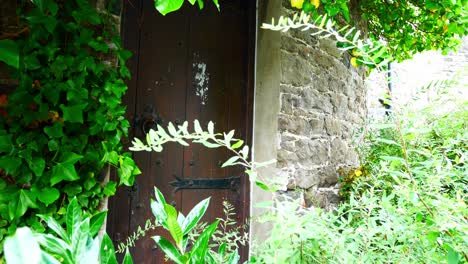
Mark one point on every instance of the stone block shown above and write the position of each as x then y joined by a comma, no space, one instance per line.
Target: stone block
295,70
333,126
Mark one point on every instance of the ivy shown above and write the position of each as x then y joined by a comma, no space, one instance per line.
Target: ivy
62,125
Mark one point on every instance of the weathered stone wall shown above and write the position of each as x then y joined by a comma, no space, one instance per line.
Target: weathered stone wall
322,101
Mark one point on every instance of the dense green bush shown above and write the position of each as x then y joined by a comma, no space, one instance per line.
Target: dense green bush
408,207
62,126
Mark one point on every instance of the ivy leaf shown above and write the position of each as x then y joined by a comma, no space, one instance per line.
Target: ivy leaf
166,6
48,195
127,171
37,165
70,157
9,52
25,201
63,171
73,113
5,143
54,131
9,164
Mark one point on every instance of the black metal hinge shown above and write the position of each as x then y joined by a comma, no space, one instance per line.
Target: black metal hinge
232,183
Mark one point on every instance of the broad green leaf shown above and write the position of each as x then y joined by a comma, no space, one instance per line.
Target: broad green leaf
62,172
107,254
73,217
54,131
168,249
49,259
15,248
200,246
128,258
96,222
37,165
90,251
159,196
197,212
9,164
25,201
48,195
80,239
173,226
166,6
9,52
73,113
5,143
55,246
158,211
56,227
70,157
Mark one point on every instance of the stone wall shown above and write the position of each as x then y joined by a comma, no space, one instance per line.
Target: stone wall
322,101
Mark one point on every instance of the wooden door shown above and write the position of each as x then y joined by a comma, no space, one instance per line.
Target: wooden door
191,64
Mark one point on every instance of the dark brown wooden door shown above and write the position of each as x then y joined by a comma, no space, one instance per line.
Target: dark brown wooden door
187,65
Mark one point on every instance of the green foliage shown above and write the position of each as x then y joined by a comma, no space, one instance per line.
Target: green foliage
78,243
415,25
371,53
9,52
408,204
227,238
179,226
62,125
155,139
407,27
167,6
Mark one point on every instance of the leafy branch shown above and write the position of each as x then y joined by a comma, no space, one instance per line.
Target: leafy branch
371,53
155,139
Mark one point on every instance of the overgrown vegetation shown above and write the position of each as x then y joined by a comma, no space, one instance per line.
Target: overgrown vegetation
406,27
409,206
63,124
59,129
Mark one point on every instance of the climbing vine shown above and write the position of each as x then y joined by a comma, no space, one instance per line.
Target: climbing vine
64,122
